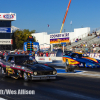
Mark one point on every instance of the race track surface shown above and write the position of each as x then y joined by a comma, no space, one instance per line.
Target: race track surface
83,84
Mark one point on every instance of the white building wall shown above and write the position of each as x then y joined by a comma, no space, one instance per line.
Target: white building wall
43,37
71,36
81,32
40,37
47,39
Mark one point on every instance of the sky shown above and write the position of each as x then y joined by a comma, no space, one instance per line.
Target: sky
37,14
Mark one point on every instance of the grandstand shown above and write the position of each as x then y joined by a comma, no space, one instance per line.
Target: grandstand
88,41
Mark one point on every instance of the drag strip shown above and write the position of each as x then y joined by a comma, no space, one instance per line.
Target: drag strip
81,72
68,85
63,71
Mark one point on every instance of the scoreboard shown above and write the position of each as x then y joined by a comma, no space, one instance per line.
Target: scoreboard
29,46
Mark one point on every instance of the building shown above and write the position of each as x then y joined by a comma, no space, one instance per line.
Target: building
6,40
55,38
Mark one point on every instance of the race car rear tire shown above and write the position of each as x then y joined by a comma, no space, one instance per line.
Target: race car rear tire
2,71
67,63
66,69
85,65
25,76
73,70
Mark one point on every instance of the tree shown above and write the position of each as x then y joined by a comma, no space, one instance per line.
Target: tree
33,31
21,37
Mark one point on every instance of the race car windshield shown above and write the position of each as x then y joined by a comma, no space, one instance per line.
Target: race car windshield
20,59
80,55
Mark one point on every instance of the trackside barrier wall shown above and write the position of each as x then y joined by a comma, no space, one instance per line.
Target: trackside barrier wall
48,59
53,58
94,55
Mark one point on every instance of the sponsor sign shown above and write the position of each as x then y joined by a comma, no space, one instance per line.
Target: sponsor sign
59,38
7,16
94,55
5,30
61,35
43,59
44,46
6,41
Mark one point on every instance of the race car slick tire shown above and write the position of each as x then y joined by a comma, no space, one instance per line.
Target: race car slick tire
25,76
2,71
67,62
66,69
84,65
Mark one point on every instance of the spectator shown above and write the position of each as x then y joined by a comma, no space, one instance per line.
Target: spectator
47,54
94,49
81,50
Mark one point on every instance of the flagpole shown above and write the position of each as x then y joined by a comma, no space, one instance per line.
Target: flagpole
48,27
71,25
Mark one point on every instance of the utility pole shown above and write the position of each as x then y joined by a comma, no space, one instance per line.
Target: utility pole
64,30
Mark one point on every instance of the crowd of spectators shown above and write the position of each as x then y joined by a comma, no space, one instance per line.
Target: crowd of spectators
84,47
45,54
39,53
5,53
93,48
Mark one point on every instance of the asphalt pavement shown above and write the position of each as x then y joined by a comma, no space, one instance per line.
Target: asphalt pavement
67,86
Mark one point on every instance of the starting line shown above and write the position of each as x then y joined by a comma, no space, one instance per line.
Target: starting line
79,72
2,98
63,71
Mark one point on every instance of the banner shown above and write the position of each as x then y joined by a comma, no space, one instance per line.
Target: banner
59,38
44,46
5,30
43,59
6,41
8,16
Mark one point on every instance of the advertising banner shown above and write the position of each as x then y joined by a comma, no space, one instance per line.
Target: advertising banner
6,41
5,30
43,59
44,46
8,16
59,38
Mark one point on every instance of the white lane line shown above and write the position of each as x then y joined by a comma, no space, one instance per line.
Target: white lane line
2,98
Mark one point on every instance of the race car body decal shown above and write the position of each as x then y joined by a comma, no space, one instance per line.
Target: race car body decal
70,61
91,59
